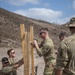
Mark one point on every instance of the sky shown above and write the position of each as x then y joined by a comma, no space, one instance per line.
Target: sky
53,11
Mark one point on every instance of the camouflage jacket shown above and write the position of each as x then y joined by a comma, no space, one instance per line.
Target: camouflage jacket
8,70
66,54
46,49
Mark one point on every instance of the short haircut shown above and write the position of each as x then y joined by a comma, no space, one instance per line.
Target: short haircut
62,34
9,51
44,29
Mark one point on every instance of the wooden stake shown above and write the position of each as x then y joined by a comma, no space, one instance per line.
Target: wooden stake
25,49
32,50
28,53
25,57
23,43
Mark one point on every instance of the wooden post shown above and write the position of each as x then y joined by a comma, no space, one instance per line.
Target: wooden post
28,53
25,57
32,51
23,43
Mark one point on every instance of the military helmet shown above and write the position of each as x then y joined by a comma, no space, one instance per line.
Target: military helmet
5,60
72,22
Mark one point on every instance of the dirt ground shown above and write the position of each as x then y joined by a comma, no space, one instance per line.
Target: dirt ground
37,60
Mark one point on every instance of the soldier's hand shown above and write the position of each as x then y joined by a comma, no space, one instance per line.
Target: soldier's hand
32,44
35,42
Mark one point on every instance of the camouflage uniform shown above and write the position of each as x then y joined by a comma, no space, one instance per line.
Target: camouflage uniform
66,55
46,50
8,70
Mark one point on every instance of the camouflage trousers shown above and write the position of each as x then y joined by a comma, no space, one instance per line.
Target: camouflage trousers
48,70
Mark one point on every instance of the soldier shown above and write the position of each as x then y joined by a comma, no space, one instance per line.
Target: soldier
7,69
65,64
45,49
11,54
11,58
62,36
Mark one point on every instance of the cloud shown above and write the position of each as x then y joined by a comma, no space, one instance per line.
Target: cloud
48,15
22,2
74,4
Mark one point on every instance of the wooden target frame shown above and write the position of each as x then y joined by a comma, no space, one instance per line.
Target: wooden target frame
27,49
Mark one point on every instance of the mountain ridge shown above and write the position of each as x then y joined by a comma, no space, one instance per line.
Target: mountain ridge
10,28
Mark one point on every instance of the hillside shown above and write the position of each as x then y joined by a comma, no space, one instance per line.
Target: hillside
10,28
